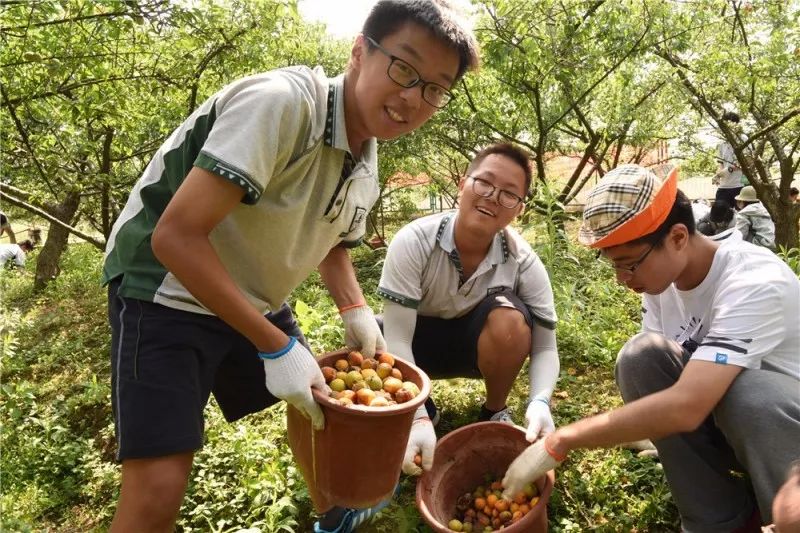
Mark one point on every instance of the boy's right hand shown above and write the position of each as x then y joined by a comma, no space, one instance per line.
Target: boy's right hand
290,375
421,441
529,466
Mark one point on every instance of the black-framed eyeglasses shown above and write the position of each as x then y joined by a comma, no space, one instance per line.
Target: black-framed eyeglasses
407,76
630,270
486,189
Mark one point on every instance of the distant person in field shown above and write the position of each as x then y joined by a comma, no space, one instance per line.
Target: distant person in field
466,296
713,379
700,208
719,220
15,253
729,178
5,227
268,180
794,195
753,220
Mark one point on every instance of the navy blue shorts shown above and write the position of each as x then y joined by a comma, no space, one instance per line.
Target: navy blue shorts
729,195
164,365
448,347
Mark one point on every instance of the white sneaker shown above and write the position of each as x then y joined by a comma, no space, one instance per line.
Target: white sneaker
502,416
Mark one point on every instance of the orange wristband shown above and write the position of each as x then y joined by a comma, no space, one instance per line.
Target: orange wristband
349,307
553,454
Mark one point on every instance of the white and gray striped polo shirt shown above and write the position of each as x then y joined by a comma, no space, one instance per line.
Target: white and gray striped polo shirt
281,137
423,271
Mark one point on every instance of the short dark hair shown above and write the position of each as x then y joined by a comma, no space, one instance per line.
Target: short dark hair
437,16
511,151
730,116
721,211
681,213
27,244
793,190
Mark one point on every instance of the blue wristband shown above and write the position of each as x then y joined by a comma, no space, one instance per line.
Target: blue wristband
280,353
543,400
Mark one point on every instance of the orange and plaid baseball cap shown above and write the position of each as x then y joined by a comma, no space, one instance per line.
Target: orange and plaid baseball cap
628,203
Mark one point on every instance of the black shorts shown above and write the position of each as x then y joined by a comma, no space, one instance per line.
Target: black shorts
164,365
729,195
448,348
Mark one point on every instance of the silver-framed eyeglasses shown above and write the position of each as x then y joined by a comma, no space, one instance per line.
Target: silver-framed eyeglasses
407,76
630,270
486,189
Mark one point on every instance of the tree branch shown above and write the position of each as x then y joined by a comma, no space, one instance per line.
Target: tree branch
65,21
47,216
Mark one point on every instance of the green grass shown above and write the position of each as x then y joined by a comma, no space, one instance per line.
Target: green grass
57,441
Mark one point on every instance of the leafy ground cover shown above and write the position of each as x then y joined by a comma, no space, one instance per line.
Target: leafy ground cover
57,463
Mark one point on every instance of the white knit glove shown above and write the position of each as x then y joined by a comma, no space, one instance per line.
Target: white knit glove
539,419
290,375
422,441
361,331
531,464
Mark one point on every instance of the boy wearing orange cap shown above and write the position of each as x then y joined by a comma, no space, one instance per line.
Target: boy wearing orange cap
714,377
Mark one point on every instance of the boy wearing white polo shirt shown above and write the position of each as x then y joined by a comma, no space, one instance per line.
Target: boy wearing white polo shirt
466,296
713,379
270,178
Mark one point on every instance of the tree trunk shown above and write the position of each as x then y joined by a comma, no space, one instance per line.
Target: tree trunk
787,226
47,263
784,213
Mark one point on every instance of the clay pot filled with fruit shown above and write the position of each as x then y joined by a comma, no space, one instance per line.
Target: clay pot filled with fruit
355,461
463,491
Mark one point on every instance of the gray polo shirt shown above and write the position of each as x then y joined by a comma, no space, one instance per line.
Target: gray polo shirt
281,137
422,270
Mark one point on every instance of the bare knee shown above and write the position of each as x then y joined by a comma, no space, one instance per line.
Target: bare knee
507,329
152,492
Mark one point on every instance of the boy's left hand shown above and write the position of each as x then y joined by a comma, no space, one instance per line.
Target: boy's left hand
361,331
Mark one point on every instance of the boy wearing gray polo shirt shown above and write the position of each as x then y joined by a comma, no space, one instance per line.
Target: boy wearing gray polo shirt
466,296
271,178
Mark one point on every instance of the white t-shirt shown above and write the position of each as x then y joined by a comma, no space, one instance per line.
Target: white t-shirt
727,158
12,251
746,312
422,271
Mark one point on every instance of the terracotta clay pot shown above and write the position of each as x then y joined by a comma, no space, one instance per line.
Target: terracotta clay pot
356,460
461,462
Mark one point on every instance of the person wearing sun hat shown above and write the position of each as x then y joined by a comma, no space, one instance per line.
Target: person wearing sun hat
753,219
713,378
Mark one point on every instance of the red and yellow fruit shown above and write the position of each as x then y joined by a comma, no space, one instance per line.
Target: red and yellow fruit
359,380
484,509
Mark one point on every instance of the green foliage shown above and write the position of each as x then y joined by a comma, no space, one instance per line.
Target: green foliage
244,477
91,89
611,491
791,257
56,412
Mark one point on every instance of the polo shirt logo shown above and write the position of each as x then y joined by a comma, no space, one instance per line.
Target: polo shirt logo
721,358
358,218
495,290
